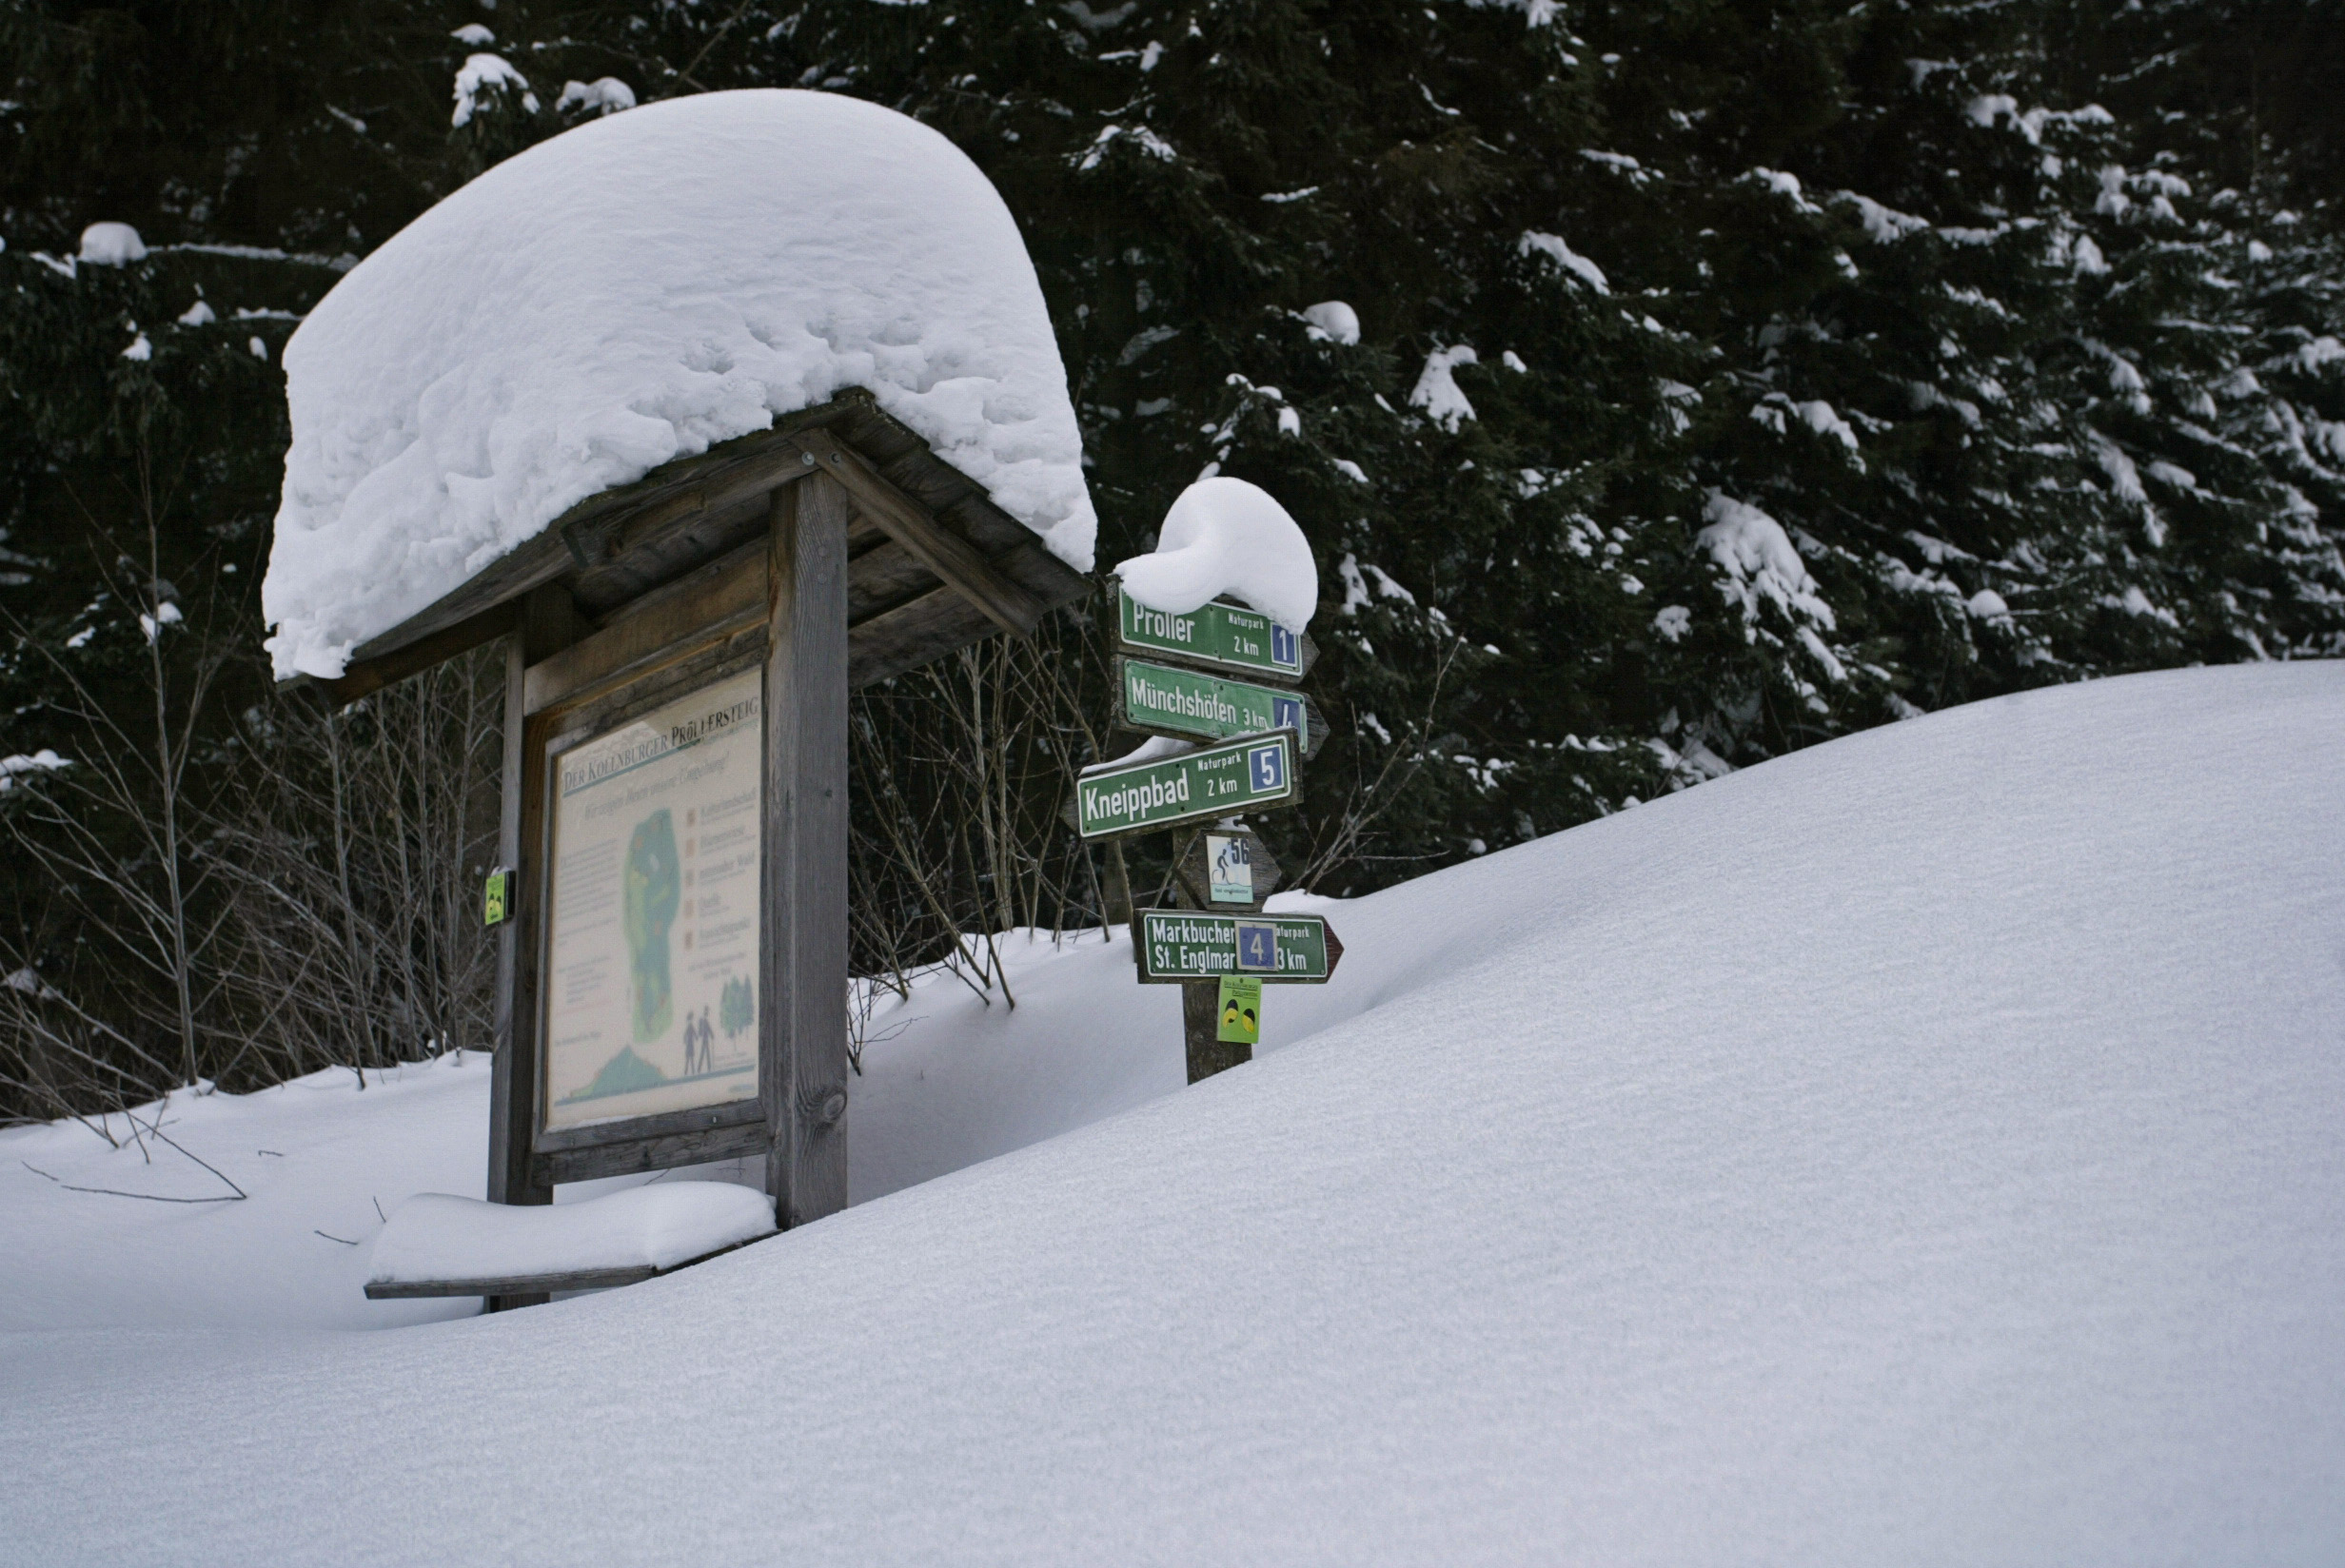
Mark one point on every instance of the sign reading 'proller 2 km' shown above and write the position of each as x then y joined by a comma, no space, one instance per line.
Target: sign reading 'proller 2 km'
1212,633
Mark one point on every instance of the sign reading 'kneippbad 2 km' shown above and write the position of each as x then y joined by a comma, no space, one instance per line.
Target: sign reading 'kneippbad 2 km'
1237,776
1193,945
1212,633
1191,704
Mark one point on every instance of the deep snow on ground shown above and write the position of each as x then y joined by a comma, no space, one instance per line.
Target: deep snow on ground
316,1158
1922,1148
639,289
951,1078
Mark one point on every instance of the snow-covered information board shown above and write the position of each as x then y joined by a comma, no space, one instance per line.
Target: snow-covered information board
650,954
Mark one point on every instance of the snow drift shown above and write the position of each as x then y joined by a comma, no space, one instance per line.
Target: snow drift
639,289
1918,1150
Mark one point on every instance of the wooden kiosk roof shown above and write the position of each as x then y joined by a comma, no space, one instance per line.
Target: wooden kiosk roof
933,564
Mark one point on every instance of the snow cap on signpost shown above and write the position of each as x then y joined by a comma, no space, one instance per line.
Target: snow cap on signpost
1224,536
635,290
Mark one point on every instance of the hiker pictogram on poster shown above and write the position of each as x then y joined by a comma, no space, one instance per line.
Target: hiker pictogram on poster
651,1001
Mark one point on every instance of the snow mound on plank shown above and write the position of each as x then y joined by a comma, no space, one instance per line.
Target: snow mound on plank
639,289
434,1236
1224,536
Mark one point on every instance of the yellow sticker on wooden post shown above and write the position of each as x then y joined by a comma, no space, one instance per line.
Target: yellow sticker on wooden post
1241,1010
497,898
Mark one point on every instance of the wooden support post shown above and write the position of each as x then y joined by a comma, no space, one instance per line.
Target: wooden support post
547,623
508,1134
1117,897
803,1001
1201,1029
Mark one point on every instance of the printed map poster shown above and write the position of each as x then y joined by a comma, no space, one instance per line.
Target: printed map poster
651,959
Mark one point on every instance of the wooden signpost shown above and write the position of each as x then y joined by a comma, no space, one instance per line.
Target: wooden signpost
1200,677
671,898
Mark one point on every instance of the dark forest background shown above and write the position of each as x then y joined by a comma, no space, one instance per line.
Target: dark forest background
1730,375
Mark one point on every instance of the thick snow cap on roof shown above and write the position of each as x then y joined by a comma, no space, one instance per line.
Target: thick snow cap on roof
639,289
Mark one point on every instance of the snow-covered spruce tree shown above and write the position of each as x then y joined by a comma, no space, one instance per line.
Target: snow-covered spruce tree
1712,378
1808,425
1911,435
233,161
177,185
1198,180
153,900
2226,297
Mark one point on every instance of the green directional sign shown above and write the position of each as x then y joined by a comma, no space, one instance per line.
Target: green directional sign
1191,704
1193,945
1212,634
1237,776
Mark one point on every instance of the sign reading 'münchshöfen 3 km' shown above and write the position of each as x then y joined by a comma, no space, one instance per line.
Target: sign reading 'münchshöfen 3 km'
1212,634
1237,776
1192,704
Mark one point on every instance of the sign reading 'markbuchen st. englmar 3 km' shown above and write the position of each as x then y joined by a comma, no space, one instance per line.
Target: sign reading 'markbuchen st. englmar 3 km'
1195,945
652,955
1208,782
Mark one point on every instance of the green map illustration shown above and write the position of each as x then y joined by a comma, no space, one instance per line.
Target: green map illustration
737,1007
651,887
625,1073
651,891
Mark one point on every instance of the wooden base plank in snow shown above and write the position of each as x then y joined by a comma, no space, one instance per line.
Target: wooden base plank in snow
436,1245
534,1284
